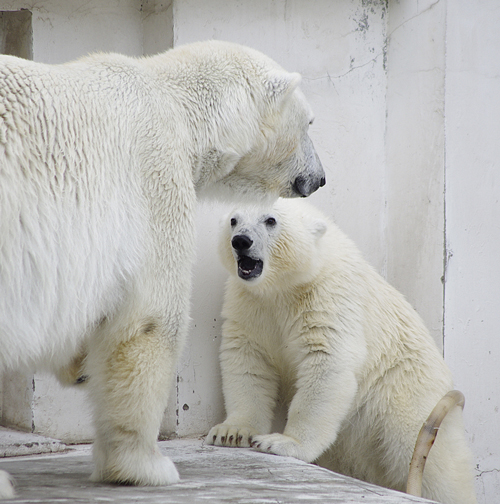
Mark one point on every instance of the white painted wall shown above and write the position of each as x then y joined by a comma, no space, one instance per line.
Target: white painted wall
414,141
472,292
406,101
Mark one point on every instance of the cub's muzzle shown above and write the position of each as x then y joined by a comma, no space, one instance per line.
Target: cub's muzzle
248,267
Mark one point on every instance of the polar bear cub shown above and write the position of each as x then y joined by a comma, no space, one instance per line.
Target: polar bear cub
101,163
308,321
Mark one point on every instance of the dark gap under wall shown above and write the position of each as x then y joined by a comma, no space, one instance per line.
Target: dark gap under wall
16,33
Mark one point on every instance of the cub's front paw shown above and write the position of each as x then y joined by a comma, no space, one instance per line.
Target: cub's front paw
280,444
231,435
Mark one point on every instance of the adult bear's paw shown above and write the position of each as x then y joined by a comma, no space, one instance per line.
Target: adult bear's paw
6,486
231,435
135,467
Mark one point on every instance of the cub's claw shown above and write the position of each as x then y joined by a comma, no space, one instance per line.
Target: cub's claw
279,444
230,435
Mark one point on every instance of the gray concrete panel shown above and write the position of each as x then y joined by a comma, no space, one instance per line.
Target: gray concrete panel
208,474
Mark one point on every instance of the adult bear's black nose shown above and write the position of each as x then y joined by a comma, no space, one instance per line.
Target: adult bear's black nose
241,242
306,185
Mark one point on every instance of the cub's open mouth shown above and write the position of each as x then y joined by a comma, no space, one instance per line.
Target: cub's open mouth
249,268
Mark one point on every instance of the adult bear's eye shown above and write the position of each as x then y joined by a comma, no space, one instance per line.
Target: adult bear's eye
270,221
233,222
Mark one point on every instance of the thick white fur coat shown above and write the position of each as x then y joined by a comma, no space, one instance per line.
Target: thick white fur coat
101,162
322,331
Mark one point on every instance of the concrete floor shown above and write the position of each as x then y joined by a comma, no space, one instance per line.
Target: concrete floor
208,474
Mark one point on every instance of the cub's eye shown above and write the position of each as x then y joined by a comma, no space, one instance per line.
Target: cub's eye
233,222
270,221
311,121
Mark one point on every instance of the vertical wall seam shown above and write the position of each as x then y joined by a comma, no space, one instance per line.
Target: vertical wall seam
445,233
174,17
384,220
32,406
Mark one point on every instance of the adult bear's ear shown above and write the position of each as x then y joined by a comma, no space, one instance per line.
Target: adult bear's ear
318,228
280,84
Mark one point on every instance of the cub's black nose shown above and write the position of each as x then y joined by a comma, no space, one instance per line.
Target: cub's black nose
241,242
322,182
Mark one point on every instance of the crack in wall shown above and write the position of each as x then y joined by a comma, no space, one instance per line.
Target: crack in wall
413,17
336,77
487,471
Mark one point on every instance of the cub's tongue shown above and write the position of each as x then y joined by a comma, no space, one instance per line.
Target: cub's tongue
249,268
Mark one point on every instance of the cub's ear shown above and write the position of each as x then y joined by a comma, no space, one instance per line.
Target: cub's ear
318,228
280,84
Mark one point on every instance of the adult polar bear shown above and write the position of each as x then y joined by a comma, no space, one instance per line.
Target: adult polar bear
101,161
357,367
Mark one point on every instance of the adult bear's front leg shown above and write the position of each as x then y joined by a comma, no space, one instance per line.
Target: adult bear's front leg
130,381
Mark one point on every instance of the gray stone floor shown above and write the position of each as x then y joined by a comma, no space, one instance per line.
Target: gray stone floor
208,474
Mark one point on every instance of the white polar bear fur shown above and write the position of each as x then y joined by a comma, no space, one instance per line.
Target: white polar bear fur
322,331
101,162
6,486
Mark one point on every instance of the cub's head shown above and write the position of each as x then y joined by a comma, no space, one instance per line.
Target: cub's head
273,248
263,119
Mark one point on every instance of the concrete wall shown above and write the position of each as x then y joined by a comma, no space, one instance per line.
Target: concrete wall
16,33
406,100
414,141
472,288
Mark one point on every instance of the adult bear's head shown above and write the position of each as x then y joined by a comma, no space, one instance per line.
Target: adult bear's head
253,123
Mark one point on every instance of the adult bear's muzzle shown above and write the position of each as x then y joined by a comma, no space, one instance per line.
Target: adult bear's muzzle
304,186
313,177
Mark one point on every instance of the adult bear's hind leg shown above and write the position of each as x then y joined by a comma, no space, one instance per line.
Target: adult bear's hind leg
130,381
